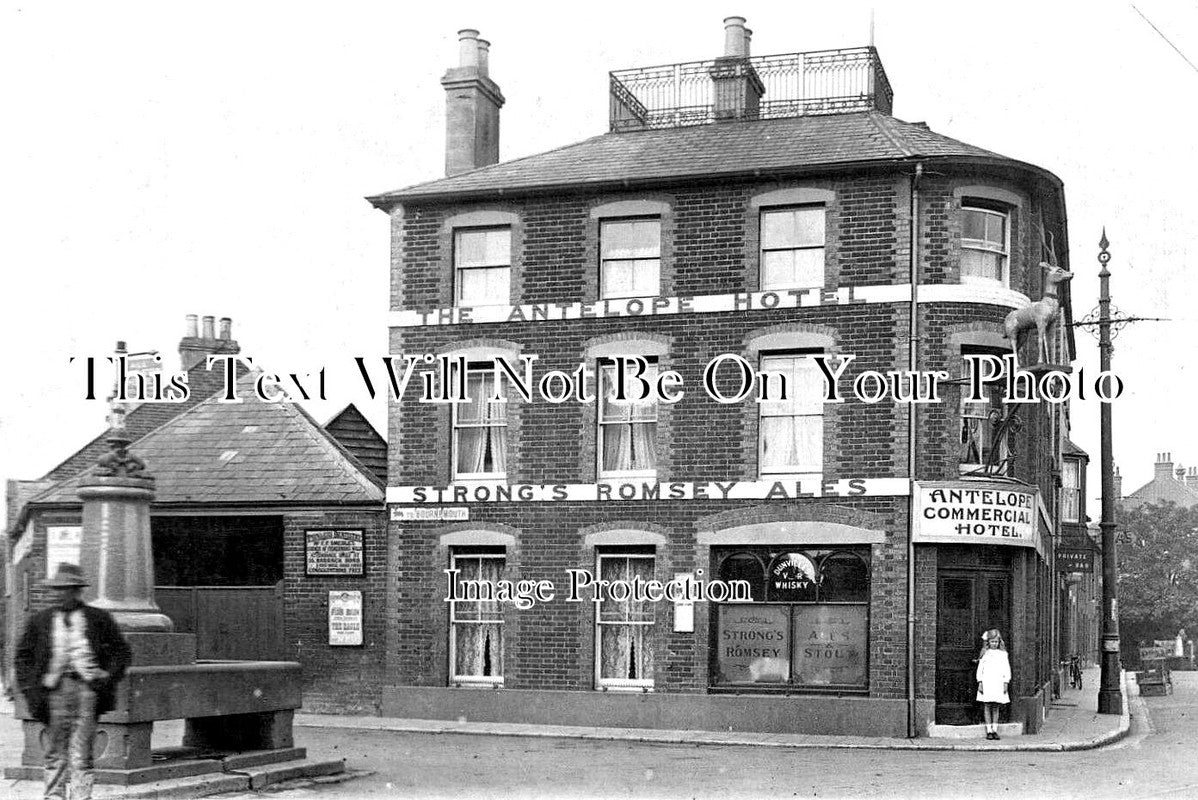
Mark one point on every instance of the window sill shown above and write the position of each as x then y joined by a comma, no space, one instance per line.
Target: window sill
617,477
980,281
481,478
476,683
791,476
626,688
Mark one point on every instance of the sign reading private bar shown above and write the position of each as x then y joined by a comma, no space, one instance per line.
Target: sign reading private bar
333,553
985,513
345,618
1074,560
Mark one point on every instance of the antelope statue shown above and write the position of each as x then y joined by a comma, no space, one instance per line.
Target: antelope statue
1038,315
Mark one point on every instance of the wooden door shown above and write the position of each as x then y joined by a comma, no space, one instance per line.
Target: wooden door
969,602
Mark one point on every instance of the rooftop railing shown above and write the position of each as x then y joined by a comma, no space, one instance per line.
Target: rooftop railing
760,87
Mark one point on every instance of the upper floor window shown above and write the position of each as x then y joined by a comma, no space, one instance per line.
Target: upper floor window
476,624
628,427
630,257
482,260
792,247
791,434
1071,490
982,447
624,651
480,429
985,243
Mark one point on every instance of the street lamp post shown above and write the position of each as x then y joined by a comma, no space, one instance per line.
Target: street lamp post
1110,696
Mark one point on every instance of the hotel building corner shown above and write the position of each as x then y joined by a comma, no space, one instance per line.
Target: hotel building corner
778,213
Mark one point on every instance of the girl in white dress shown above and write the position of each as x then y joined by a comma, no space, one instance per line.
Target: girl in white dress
994,676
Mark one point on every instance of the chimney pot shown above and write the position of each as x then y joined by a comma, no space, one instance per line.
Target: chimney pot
735,41
468,48
1163,470
472,103
226,328
207,328
748,42
193,326
484,57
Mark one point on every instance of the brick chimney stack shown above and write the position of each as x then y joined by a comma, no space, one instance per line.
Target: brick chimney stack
472,103
1192,479
201,341
1163,470
737,89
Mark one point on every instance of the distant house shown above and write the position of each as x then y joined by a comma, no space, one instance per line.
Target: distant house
1168,485
259,515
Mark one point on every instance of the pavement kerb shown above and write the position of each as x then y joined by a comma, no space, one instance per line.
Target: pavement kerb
651,736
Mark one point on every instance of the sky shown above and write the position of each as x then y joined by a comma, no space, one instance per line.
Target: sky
163,159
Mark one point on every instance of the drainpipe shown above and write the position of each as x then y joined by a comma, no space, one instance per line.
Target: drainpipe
913,366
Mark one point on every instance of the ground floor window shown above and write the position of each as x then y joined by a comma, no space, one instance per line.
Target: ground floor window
624,647
807,626
476,625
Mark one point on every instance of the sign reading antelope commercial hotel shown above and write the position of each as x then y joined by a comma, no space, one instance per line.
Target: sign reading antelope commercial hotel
961,513
333,553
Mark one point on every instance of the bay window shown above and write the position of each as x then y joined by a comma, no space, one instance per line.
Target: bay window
985,243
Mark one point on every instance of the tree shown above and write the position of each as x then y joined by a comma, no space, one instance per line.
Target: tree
1158,571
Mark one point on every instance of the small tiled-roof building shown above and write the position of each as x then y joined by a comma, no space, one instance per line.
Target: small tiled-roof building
245,492
1169,484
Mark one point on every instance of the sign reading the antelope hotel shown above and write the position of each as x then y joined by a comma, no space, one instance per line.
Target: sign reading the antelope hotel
983,513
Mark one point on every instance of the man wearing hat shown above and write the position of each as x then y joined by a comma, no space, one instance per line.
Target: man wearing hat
68,663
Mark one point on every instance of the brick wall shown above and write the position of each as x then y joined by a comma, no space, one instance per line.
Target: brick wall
342,678
710,249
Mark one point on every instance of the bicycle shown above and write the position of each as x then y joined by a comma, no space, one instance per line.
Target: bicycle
1075,672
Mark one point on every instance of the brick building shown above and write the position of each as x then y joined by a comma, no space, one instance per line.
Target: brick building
263,523
766,208
1079,564
1169,484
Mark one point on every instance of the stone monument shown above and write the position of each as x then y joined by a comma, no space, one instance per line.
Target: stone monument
238,713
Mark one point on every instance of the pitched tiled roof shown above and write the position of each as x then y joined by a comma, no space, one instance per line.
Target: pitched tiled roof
1070,449
202,384
1162,490
249,452
354,432
730,148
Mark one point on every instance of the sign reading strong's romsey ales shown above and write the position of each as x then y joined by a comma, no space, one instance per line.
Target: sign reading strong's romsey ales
333,552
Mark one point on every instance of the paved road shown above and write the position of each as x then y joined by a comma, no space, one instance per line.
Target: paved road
1156,761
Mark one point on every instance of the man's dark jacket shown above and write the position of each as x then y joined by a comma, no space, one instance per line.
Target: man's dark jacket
32,659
